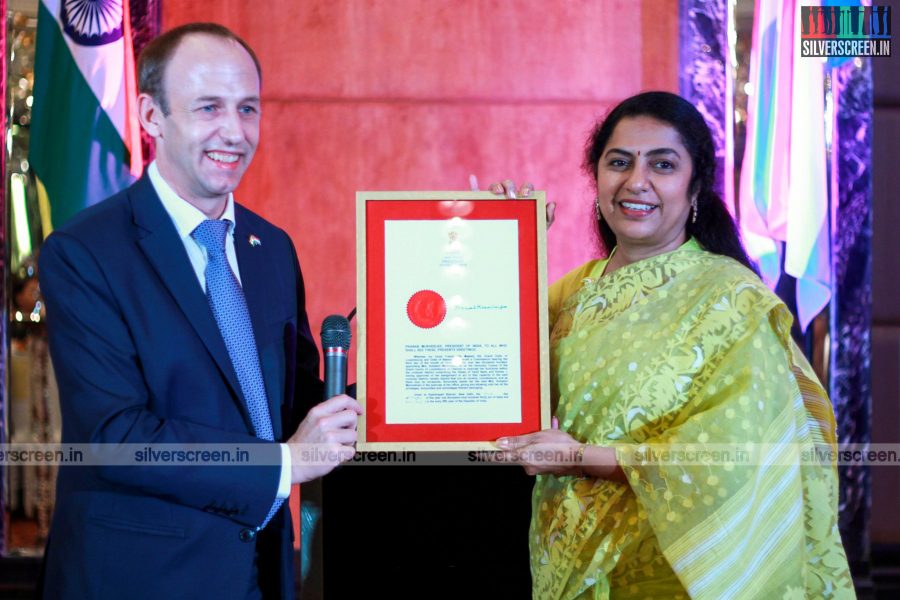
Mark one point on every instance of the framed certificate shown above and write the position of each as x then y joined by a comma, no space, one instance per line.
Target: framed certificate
453,347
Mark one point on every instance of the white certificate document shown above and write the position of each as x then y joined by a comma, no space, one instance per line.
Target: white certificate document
452,339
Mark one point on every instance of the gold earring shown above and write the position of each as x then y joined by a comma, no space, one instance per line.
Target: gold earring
597,208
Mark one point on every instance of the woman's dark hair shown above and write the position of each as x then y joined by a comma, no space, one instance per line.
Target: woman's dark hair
714,229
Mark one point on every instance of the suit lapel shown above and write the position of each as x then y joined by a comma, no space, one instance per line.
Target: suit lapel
165,251
255,264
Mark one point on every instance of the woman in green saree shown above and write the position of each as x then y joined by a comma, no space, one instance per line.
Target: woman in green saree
687,422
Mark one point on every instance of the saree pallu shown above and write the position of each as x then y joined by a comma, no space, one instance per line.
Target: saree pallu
687,352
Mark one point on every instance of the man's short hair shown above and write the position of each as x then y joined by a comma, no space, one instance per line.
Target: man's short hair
157,54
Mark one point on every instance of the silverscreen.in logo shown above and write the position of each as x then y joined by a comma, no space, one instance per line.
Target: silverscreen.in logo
845,30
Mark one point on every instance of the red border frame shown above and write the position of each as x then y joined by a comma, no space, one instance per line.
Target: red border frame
379,211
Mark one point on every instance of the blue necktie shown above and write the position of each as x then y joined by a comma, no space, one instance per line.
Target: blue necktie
229,307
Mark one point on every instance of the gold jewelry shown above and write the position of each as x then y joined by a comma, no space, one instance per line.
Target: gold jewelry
579,459
597,208
694,207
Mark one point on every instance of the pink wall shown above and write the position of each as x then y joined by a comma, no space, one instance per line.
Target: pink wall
418,94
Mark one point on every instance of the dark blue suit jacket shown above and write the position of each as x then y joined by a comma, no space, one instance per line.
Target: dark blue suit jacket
139,359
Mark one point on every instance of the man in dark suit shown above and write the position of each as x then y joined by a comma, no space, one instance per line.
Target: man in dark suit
177,317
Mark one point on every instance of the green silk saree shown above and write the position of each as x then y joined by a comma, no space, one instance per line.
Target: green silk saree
684,363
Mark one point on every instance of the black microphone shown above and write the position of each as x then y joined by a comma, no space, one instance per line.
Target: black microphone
335,346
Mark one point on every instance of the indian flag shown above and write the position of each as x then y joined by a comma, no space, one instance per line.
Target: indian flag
85,138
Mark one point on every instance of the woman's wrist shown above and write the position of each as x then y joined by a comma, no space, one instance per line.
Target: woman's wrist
579,460
600,462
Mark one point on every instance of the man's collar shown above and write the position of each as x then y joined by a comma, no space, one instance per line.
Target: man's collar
185,215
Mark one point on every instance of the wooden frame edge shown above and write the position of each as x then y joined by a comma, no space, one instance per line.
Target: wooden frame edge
543,317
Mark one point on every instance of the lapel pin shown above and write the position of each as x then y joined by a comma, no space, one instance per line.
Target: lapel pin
254,241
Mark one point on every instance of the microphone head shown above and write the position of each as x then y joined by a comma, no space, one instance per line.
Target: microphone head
336,332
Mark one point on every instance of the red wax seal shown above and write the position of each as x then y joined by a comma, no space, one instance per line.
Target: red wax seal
426,309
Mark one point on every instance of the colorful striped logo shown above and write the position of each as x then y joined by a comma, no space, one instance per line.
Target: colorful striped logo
845,30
